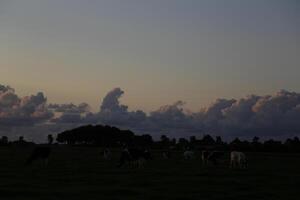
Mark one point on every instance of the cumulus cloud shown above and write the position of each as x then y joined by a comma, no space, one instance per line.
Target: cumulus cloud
211,116
22,111
69,113
114,113
276,115
111,102
269,115
170,116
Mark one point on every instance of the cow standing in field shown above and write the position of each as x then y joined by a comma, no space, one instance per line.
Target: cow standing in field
213,157
166,155
204,157
238,160
107,154
134,157
188,154
39,153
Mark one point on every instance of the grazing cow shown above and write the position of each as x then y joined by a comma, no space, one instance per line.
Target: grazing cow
212,157
39,153
107,154
215,156
188,154
166,155
238,160
204,157
134,157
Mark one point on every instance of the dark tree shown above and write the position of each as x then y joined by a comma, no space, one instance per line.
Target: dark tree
103,136
255,140
183,143
50,139
219,140
208,140
4,141
21,139
193,140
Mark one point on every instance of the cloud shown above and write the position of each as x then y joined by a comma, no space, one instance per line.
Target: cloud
111,102
22,111
69,113
270,115
276,115
266,116
70,108
170,116
114,113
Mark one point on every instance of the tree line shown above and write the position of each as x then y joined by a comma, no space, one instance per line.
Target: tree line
108,136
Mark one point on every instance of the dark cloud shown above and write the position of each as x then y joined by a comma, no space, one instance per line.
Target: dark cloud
114,113
271,115
70,108
267,116
25,111
275,115
111,102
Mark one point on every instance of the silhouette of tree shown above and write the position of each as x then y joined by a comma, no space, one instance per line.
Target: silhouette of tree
207,140
173,142
292,145
183,143
4,141
21,139
108,136
50,139
219,140
143,141
273,146
103,136
165,141
193,140
255,140
256,145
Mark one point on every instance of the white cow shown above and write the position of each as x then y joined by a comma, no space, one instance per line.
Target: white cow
238,160
188,155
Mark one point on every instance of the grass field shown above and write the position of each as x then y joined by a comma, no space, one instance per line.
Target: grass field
81,173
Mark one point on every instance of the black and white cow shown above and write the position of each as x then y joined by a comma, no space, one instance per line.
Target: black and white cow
238,160
166,155
133,157
106,154
188,155
204,157
39,153
211,156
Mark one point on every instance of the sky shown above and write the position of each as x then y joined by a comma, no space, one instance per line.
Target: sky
157,51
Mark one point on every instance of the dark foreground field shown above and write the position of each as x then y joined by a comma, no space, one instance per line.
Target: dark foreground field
80,173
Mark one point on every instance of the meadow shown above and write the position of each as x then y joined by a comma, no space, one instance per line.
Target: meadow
81,173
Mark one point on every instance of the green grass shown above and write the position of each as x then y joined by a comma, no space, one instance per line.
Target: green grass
81,173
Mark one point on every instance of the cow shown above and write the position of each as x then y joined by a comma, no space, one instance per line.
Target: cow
134,157
39,153
238,160
188,154
204,157
213,157
166,155
107,154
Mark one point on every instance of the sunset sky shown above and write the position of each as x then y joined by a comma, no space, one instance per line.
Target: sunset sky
182,67
158,51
